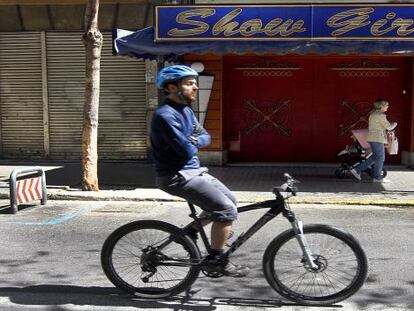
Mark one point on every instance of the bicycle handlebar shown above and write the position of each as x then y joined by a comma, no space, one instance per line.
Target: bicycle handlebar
288,186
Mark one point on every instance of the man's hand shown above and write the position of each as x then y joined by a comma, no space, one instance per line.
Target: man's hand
198,129
193,139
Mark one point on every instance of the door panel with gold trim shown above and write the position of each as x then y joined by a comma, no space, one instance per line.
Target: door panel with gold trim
269,107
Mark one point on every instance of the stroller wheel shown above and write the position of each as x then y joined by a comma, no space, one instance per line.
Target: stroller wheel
384,173
340,173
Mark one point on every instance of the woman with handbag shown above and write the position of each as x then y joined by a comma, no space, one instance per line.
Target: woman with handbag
378,126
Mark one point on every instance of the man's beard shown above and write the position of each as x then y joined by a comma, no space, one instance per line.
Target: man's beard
188,100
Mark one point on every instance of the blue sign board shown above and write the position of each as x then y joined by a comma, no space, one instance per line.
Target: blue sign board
393,22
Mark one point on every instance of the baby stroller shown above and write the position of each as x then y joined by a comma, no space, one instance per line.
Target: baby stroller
354,154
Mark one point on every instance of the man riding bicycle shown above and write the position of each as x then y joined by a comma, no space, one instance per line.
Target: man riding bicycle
176,136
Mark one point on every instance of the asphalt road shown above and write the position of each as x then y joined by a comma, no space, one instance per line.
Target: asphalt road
49,258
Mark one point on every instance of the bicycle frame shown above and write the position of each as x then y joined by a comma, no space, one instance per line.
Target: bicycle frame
276,207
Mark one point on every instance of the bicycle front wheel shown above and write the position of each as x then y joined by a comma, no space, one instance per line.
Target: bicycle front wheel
150,259
342,266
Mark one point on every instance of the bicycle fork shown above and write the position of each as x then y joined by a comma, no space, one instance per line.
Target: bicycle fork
297,226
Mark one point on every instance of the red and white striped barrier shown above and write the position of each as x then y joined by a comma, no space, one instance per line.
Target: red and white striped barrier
28,190
26,186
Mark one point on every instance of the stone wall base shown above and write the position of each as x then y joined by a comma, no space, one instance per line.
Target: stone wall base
407,158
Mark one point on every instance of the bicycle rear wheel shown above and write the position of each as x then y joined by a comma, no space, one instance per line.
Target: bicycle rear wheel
342,266
150,259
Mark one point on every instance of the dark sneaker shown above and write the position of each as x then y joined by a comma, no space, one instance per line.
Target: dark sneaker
229,269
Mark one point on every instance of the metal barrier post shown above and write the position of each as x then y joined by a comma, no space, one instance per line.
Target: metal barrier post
13,181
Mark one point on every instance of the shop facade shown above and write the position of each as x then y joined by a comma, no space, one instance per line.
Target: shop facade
290,100
293,100
301,108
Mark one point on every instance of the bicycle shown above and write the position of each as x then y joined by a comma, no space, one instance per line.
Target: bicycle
312,264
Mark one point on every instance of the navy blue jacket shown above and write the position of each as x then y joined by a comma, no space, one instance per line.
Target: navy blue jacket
172,149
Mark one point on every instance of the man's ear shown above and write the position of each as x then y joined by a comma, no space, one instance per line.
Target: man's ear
172,88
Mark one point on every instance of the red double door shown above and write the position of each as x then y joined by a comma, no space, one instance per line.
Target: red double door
291,109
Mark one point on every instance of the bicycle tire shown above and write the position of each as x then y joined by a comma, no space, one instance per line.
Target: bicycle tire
283,256
123,262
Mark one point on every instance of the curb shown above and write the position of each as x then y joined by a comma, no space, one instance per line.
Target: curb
376,202
325,199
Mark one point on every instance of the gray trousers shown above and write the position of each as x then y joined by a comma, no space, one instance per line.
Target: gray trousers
205,191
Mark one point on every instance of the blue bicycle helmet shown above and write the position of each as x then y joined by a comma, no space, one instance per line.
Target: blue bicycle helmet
174,73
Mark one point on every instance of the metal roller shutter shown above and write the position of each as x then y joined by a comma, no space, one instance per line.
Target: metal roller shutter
123,107
21,104
122,132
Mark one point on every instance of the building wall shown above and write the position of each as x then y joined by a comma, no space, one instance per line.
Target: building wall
42,84
46,121
67,15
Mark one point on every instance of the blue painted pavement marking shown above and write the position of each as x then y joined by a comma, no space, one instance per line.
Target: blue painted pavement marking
65,218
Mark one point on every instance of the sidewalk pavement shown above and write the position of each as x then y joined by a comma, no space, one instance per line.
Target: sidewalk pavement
135,181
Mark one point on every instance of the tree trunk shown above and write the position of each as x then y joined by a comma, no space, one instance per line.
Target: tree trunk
93,44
